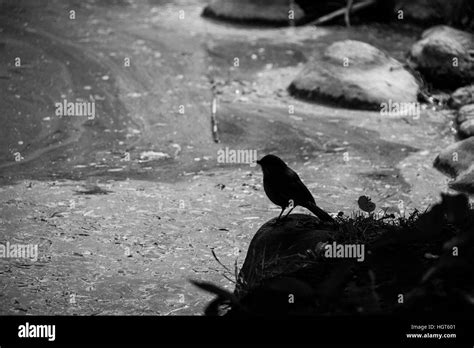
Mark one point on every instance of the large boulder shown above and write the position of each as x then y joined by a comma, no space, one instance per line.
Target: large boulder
255,11
278,247
457,161
444,57
355,74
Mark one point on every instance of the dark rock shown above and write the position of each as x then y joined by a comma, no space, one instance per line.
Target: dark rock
462,96
465,120
456,158
464,182
268,298
443,56
271,297
355,74
457,161
275,12
459,13
419,11
466,129
465,113
277,248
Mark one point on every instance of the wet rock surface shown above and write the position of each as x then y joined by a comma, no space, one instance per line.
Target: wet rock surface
255,11
444,56
462,96
464,182
433,12
465,120
355,74
457,161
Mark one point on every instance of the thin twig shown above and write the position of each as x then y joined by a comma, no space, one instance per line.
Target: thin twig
342,11
228,278
236,270
215,134
226,269
175,310
220,263
224,274
347,18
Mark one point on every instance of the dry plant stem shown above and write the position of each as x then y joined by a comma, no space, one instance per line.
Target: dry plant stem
224,266
342,11
347,18
215,130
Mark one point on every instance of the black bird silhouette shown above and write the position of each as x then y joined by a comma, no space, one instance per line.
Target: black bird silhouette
282,184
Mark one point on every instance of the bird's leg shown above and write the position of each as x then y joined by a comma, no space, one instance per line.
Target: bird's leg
282,210
291,205
288,213
278,220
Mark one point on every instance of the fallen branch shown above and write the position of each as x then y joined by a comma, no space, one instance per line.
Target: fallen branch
225,268
215,134
175,310
343,11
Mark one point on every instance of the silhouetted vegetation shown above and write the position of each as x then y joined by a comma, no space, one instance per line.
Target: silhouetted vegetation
420,263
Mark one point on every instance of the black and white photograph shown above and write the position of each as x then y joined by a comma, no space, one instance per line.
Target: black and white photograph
234,171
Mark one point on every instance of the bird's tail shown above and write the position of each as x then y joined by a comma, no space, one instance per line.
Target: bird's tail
321,214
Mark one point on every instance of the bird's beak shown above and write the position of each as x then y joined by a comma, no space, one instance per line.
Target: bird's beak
258,162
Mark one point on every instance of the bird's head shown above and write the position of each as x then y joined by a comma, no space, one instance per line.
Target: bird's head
271,163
